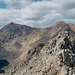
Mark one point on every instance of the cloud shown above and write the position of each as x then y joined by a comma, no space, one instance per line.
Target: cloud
38,14
17,4
67,4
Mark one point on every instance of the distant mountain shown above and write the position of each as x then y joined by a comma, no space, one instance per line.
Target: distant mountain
38,51
12,30
9,41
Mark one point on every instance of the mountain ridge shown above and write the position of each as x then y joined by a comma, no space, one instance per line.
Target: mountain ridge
25,50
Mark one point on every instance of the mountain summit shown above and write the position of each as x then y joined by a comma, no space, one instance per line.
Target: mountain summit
12,30
36,51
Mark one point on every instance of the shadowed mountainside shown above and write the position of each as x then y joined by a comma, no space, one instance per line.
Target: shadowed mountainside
8,34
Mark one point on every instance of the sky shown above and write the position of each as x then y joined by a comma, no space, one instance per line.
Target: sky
36,13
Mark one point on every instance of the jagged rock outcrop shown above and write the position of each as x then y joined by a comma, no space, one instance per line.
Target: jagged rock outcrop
56,58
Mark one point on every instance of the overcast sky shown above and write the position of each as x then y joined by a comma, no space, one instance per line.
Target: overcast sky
36,13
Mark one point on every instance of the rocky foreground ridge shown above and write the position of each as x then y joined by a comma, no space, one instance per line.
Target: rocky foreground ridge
52,54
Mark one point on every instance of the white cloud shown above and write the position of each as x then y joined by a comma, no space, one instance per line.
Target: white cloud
67,4
18,4
39,14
